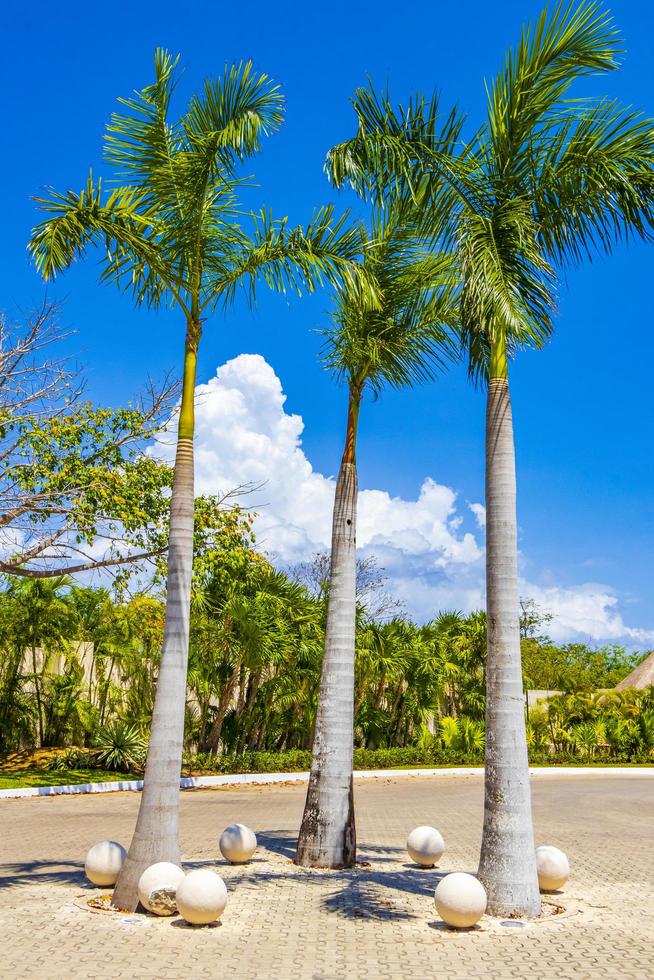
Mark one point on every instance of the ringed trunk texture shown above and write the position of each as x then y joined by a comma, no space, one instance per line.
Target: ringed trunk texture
507,865
156,837
327,836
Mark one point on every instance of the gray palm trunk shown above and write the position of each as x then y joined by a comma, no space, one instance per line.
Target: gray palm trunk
327,836
156,837
507,865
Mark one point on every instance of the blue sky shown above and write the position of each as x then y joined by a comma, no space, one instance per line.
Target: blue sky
583,409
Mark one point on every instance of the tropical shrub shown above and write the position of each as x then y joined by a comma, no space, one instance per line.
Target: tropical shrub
121,746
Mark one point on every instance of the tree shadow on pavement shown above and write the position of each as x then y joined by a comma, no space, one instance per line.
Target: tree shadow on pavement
42,873
380,887
278,843
381,894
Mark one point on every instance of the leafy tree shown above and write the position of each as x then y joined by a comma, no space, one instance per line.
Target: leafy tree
42,622
574,666
77,490
394,338
173,234
545,182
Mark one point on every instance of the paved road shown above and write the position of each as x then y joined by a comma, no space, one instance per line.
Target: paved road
377,921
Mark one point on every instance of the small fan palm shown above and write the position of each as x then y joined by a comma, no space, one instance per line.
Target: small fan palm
171,233
546,181
396,338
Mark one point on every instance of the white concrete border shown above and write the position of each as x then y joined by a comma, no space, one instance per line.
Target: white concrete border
239,779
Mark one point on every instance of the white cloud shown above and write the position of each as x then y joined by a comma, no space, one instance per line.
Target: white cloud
587,612
245,436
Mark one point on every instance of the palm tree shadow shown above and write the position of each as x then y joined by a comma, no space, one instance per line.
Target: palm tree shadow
278,843
377,852
43,873
371,890
381,891
374,890
381,894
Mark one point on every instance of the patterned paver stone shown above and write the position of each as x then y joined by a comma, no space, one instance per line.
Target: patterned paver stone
375,921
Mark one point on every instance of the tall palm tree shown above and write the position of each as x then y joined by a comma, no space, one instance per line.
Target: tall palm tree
172,234
394,340
545,182
43,621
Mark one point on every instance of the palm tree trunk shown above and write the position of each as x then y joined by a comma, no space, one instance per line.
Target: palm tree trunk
37,694
105,690
156,837
507,865
327,836
213,739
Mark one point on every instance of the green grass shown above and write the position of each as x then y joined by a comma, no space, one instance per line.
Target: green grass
40,776
47,777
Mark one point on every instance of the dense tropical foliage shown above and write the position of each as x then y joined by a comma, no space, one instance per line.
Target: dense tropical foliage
78,669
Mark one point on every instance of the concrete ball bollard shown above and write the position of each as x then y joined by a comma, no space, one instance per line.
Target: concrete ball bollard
104,861
553,868
201,897
237,843
460,900
158,886
425,846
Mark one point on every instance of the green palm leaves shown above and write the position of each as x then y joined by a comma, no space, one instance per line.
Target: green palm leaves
392,322
173,231
547,179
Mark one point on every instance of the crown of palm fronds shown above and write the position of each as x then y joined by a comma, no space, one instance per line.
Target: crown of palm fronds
547,180
399,331
171,227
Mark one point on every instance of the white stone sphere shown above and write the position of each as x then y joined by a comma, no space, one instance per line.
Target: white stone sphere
425,846
553,868
201,897
158,885
237,843
104,861
460,900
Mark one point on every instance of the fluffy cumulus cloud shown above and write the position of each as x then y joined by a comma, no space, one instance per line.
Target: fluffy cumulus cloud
245,437
587,612
431,546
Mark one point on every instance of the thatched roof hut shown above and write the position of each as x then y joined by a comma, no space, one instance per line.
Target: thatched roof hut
641,677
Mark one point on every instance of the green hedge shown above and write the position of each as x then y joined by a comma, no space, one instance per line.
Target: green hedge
299,760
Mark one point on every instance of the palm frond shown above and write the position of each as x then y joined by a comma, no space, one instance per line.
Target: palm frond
507,283
141,143
235,111
593,181
297,258
565,43
405,334
393,147
120,223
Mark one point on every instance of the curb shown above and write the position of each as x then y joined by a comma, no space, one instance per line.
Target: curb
240,779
